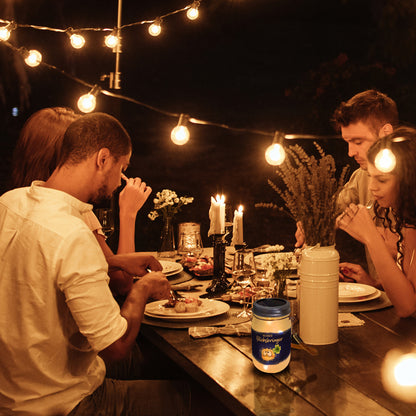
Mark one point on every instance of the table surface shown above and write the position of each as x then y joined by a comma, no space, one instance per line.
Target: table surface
343,379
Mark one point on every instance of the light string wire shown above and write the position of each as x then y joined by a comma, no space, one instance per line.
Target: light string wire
135,101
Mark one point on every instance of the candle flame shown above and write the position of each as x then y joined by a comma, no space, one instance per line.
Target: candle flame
240,209
220,199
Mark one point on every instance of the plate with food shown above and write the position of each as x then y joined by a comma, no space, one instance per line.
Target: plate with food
170,268
285,260
186,309
201,267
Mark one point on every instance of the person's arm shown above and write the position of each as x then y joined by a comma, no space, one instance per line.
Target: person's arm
154,285
400,287
120,282
131,199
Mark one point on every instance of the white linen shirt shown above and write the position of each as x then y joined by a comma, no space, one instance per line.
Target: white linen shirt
56,309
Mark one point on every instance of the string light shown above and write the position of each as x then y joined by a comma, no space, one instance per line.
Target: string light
5,32
32,58
155,28
192,13
87,102
385,160
77,40
111,40
275,153
180,134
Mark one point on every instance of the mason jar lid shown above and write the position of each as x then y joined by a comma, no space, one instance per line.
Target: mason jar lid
271,308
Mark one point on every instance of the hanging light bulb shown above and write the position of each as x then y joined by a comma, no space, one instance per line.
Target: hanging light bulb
180,134
33,58
111,40
385,160
156,27
77,40
193,13
5,33
87,102
275,153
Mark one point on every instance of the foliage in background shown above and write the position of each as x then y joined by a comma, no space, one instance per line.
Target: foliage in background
310,192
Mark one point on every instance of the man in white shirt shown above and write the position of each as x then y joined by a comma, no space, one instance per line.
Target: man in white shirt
58,318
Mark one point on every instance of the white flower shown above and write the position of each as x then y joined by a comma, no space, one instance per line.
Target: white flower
167,203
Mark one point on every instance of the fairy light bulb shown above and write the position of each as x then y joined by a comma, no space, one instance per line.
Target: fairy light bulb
385,160
77,41
155,28
87,103
4,33
275,154
405,370
111,41
33,58
192,13
180,134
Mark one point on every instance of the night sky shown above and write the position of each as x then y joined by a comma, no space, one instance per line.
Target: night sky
259,65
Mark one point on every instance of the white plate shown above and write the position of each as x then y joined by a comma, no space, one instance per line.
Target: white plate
354,290
262,260
170,267
373,296
208,309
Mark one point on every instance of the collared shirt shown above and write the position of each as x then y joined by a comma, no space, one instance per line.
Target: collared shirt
56,309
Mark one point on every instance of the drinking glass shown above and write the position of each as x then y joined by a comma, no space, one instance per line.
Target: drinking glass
106,218
243,271
190,244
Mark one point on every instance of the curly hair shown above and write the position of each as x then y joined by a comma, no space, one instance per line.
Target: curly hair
402,142
371,107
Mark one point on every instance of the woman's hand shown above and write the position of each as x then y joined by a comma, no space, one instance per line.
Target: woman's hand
133,196
350,272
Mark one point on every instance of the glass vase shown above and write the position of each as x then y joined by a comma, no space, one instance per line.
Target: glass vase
167,248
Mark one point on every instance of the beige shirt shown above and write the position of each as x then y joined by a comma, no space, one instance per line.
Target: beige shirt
56,310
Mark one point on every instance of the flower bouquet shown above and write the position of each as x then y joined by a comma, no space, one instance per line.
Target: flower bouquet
166,205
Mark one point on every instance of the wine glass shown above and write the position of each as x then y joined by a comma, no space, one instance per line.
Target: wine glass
106,218
243,270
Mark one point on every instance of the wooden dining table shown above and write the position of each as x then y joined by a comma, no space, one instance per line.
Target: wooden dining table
344,378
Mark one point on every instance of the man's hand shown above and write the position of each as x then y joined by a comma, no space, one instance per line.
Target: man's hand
155,285
135,264
299,235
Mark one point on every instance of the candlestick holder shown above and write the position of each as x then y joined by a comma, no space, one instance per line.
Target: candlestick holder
219,282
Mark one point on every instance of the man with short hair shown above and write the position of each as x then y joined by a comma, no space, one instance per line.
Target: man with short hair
362,120
58,318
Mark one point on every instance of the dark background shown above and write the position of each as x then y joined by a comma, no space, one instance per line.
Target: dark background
261,65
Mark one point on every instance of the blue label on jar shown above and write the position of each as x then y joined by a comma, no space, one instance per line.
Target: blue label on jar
271,348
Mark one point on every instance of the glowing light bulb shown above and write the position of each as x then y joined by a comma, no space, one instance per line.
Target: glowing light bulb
77,41
34,58
192,13
155,28
385,161
111,41
405,370
4,33
87,103
275,154
180,135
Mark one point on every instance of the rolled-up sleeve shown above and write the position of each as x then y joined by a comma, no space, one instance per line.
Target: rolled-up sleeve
82,277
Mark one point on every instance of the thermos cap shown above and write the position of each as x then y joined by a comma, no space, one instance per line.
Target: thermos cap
271,308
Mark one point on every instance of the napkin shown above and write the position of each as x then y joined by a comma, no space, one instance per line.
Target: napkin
348,319
241,329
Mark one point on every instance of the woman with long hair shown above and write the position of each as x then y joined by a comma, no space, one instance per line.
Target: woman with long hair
394,195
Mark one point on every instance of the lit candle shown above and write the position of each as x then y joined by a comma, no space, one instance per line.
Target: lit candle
217,215
238,238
